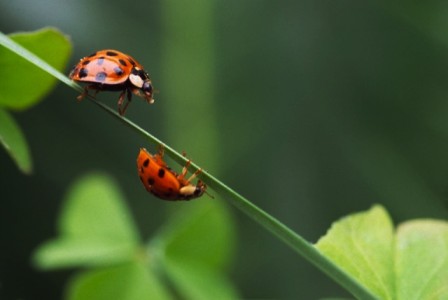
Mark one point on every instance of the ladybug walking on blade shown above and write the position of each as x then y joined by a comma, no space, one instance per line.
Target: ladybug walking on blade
164,183
112,70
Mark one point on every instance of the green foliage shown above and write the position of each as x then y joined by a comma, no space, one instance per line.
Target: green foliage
24,84
411,264
188,277
125,282
96,230
421,260
13,139
363,245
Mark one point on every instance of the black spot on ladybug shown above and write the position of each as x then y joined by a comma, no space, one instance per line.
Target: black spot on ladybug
142,170
111,53
118,71
146,163
150,181
122,62
82,73
100,61
100,76
131,61
161,173
92,55
86,62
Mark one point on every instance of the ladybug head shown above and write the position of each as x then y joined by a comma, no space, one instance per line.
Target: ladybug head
147,88
193,191
146,91
141,84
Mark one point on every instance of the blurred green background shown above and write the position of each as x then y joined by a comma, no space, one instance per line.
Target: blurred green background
311,109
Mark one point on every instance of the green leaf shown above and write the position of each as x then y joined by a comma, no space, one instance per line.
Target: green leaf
23,84
125,282
362,244
13,139
94,207
95,227
68,252
413,264
422,260
197,281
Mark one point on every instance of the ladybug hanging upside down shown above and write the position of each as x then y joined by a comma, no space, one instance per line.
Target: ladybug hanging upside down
163,182
112,70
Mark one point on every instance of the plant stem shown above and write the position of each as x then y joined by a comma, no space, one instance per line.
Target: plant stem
281,231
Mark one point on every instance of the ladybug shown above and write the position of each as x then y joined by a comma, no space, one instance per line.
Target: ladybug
112,70
163,182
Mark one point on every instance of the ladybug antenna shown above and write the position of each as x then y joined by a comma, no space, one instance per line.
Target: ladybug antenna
210,195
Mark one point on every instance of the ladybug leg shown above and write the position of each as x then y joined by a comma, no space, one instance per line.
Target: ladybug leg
185,171
161,150
193,176
121,109
85,93
185,168
159,156
82,95
96,92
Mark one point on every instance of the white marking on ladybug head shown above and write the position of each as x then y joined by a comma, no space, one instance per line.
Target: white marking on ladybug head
136,80
187,190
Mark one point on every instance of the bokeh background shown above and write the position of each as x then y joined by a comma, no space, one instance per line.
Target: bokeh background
311,109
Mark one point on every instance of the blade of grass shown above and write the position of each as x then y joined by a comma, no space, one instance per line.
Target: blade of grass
280,230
